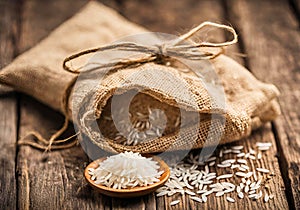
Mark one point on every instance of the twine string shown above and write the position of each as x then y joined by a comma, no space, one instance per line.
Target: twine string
173,48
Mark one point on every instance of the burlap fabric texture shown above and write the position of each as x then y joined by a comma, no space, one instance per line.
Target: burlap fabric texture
39,73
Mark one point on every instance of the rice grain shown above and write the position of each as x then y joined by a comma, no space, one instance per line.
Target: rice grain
174,202
230,199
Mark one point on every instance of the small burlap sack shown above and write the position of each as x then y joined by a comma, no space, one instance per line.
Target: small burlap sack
39,72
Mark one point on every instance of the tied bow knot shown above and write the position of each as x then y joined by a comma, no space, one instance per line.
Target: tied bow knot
162,50
174,48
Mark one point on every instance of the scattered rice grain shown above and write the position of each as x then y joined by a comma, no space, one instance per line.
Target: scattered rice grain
174,202
241,195
241,154
230,199
224,165
241,174
263,148
219,193
227,151
263,170
243,161
263,144
224,176
237,147
195,198
204,198
189,192
266,198
212,163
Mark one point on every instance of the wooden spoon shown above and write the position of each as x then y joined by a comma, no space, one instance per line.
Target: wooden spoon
130,192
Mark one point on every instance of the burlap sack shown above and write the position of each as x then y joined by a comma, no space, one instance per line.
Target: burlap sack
39,73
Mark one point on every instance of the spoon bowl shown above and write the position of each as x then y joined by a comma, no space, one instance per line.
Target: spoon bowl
129,192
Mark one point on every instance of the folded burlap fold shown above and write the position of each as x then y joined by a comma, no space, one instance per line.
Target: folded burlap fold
39,73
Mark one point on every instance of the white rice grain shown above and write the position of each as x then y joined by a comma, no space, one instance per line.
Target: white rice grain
263,170
225,176
253,196
263,148
204,198
227,185
263,144
233,166
162,193
252,192
228,161
212,163
237,147
211,159
246,190
241,154
241,195
241,174
227,151
224,165
230,199
207,193
174,202
189,192
201,191
243,161
218,194
251,151
195,198
252,157
259,156
266,198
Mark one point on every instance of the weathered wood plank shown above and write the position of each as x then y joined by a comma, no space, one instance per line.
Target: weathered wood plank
8,131
272,41
41,17
8,107
128,203
54,180
150,202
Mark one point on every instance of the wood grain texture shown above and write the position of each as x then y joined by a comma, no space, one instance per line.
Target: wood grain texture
273,53
52,180
8,107
41,17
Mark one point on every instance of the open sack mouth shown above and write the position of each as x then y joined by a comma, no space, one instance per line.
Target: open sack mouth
145,114
146,119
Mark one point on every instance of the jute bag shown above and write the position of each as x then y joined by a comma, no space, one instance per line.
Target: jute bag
39,73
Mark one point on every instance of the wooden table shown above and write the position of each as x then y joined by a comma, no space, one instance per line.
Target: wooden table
268,35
